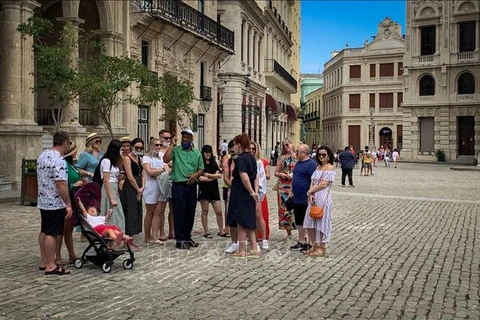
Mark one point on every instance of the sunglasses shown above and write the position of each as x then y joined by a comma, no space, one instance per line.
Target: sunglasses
286,145
158,145
167,138
323,154
138,148
97,141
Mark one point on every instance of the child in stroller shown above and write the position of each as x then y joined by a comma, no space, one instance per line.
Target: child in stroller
99,224
96,232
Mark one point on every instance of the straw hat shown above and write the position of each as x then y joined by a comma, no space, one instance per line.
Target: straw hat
125,139
71,151
91,136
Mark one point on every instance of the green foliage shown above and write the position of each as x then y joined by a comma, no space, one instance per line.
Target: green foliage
102,81
440,154
54,70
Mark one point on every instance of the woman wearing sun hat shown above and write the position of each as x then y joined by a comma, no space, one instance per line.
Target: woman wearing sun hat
88,159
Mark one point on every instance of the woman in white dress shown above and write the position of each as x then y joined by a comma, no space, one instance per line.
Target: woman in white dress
319,194
155,200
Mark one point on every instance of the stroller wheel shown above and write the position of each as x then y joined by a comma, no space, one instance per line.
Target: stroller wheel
106,267
127,264
78,263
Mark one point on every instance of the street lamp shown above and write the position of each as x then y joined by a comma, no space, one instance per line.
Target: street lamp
371,140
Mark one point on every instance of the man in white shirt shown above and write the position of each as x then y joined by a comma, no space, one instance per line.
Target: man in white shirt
53,200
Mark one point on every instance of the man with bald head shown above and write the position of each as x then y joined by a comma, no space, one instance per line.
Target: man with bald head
304,168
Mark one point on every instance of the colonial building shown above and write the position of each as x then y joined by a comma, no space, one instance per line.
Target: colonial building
309,82
442,80
257,86
185,38
363,92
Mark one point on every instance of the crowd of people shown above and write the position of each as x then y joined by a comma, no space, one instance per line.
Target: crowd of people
178,176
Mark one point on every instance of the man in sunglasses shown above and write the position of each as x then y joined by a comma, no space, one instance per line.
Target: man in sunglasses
187,167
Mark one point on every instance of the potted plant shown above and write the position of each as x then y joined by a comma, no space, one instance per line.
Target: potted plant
440,154
29,191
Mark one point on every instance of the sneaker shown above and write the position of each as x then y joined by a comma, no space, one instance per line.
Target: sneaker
297,247
352,186
258,248
265,244
232,248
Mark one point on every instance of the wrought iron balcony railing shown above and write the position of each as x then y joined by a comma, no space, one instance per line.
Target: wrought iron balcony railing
273,65
182,14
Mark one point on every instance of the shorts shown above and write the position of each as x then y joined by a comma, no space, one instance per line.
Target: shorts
52,221
299,210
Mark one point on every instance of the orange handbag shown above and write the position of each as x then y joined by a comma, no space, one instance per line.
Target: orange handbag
316,212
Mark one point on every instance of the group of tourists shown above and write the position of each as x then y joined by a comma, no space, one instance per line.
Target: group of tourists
179,176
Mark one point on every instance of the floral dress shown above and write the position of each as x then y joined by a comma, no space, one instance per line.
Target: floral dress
323,198
286,219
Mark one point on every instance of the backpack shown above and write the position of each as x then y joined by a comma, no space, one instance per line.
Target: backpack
97,177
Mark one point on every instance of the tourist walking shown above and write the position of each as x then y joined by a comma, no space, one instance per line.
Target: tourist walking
347,161
89,159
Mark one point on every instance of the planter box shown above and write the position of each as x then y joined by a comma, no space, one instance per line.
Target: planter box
29,191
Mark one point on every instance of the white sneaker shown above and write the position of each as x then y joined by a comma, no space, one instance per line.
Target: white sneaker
265,244
232,248
258,248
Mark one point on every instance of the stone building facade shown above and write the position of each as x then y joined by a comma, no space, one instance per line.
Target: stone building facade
313,117
184,38
363,92
442,80
257,86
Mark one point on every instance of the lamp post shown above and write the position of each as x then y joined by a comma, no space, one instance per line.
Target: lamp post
371,140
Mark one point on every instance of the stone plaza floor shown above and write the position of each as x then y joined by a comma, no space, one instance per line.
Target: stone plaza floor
405,245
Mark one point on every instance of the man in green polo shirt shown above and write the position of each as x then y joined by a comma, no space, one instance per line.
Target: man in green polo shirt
187,168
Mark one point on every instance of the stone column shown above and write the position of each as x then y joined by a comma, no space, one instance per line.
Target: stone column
245,41
261,56
250,47
16,64
254,50
71,112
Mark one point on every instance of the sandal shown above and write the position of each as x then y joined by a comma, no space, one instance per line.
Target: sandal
163,239
317,254
41,268
253,254
60,271
208,236
59,262
223,234
238,254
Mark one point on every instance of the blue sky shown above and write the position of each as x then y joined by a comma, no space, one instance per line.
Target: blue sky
329,25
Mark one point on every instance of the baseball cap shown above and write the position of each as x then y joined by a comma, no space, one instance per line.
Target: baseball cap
187,131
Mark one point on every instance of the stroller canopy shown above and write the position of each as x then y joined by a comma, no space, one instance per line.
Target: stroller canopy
90,195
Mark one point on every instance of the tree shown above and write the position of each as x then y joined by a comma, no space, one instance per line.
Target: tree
175,95
54,71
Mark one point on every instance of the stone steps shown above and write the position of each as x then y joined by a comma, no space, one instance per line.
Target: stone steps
466,160
4,185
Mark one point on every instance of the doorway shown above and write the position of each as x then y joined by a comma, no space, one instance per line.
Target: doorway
386,139
466,136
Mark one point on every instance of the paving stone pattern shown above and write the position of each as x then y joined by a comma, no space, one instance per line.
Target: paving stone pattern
405,245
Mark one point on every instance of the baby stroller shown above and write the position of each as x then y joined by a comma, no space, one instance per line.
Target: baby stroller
98,251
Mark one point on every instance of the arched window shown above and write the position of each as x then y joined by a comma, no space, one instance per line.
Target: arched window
427,86
466,83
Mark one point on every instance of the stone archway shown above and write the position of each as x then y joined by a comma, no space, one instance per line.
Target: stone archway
386,137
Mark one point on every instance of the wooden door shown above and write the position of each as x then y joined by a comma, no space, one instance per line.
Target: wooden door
466,136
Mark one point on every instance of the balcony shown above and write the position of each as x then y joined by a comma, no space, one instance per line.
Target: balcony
205,93
428,58
86,117
279,76
186,17
272,10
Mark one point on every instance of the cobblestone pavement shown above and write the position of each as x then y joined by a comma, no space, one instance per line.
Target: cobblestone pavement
405,246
